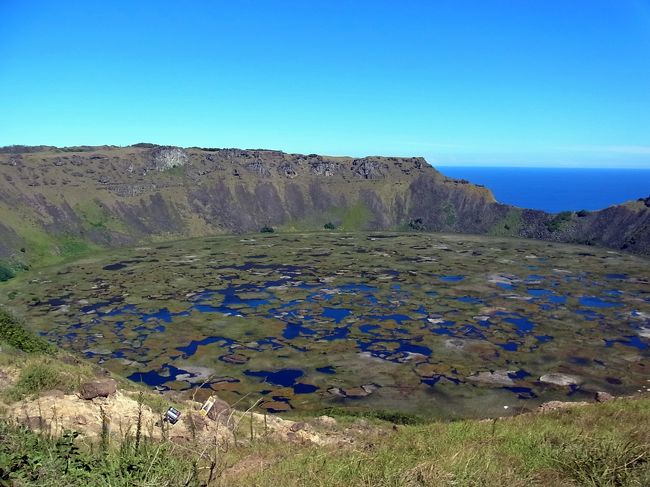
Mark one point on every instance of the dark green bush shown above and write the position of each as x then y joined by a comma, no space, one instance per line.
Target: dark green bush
582,213
14,333
267,229
416,224
329,226
6,273
558,221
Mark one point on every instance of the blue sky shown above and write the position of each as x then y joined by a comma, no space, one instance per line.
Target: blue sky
482,82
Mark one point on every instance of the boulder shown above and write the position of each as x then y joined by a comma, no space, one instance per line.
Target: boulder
98,388
298,426
601,396
220,411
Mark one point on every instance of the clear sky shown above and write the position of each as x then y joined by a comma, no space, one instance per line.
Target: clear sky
482,82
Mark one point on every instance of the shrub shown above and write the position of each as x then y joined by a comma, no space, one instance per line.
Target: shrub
557,222
417,225
15,334
582,213
329,226
6,273
267,229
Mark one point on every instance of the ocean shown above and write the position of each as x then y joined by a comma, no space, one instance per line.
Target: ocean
557,189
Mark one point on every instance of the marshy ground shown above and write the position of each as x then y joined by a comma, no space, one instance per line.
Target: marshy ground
443,326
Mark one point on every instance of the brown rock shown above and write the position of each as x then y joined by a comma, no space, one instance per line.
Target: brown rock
220,411
297,426
98,388
601,396
80,420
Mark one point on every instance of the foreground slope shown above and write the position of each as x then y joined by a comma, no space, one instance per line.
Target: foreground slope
42,399
59,202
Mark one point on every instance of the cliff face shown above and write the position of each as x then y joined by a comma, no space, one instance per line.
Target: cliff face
57,201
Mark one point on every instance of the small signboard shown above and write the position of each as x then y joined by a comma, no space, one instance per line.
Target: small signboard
205,409
172,415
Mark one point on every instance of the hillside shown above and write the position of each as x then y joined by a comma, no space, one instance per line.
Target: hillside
56,203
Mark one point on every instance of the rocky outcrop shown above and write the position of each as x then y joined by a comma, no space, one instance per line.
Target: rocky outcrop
164,158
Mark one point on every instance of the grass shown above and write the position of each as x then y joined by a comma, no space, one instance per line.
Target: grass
40,373
601,445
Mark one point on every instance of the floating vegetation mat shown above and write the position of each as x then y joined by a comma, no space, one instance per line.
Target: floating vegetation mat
439,325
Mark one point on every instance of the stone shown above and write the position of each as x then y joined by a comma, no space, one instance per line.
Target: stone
220,411
298,426
601,396
98,388
560,379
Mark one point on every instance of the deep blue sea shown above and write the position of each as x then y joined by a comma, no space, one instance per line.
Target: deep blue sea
554,189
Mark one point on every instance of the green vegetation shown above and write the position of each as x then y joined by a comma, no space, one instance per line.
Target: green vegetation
450,213
71,247
96,215
31,459
329,226
582,213
354,217
417,225
45,373
509,226
559,221
6,272
267,229
14,334
395,417
581,446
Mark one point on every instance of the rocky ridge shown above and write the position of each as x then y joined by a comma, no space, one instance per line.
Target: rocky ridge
52,200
